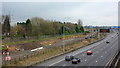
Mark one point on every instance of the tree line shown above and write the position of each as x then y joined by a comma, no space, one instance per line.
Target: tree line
38,26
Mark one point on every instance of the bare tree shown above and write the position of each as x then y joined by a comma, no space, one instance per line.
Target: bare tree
6,25
80,23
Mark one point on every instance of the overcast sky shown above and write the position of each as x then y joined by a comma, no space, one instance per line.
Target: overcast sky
91,13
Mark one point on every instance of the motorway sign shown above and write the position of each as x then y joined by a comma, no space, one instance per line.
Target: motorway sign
116,26
104,30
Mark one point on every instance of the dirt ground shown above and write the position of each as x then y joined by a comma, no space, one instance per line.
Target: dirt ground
36,44
31,45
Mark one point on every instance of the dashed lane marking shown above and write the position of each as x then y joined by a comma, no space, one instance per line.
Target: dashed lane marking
64,64
56,62
96,61
101,56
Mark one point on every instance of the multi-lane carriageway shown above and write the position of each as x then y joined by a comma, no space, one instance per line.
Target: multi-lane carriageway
102,54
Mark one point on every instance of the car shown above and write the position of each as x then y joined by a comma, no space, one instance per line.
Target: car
86,37
89,52
69,57
75,60
90,36
107,42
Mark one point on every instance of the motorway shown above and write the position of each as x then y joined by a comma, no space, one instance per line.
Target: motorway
102,53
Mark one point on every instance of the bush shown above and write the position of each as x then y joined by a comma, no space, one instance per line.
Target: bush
86,31
66,32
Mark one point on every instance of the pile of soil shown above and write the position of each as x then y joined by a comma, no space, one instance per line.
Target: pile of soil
25,46
31,45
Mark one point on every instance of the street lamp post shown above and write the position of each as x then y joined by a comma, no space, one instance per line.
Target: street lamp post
98,34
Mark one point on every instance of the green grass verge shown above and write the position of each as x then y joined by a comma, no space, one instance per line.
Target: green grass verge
40,39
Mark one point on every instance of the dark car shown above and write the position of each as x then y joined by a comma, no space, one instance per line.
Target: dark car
75,60
86,37
90,36
107,42
69,57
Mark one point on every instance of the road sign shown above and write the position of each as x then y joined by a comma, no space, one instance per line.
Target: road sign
91,26
105,30
116,26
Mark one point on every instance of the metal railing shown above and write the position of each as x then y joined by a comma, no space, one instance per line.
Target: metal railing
113,61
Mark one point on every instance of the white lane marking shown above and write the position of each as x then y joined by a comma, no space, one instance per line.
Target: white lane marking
83,55
64,64
101,56
96,61
56,62
85,60
76,53
92,55
111,47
